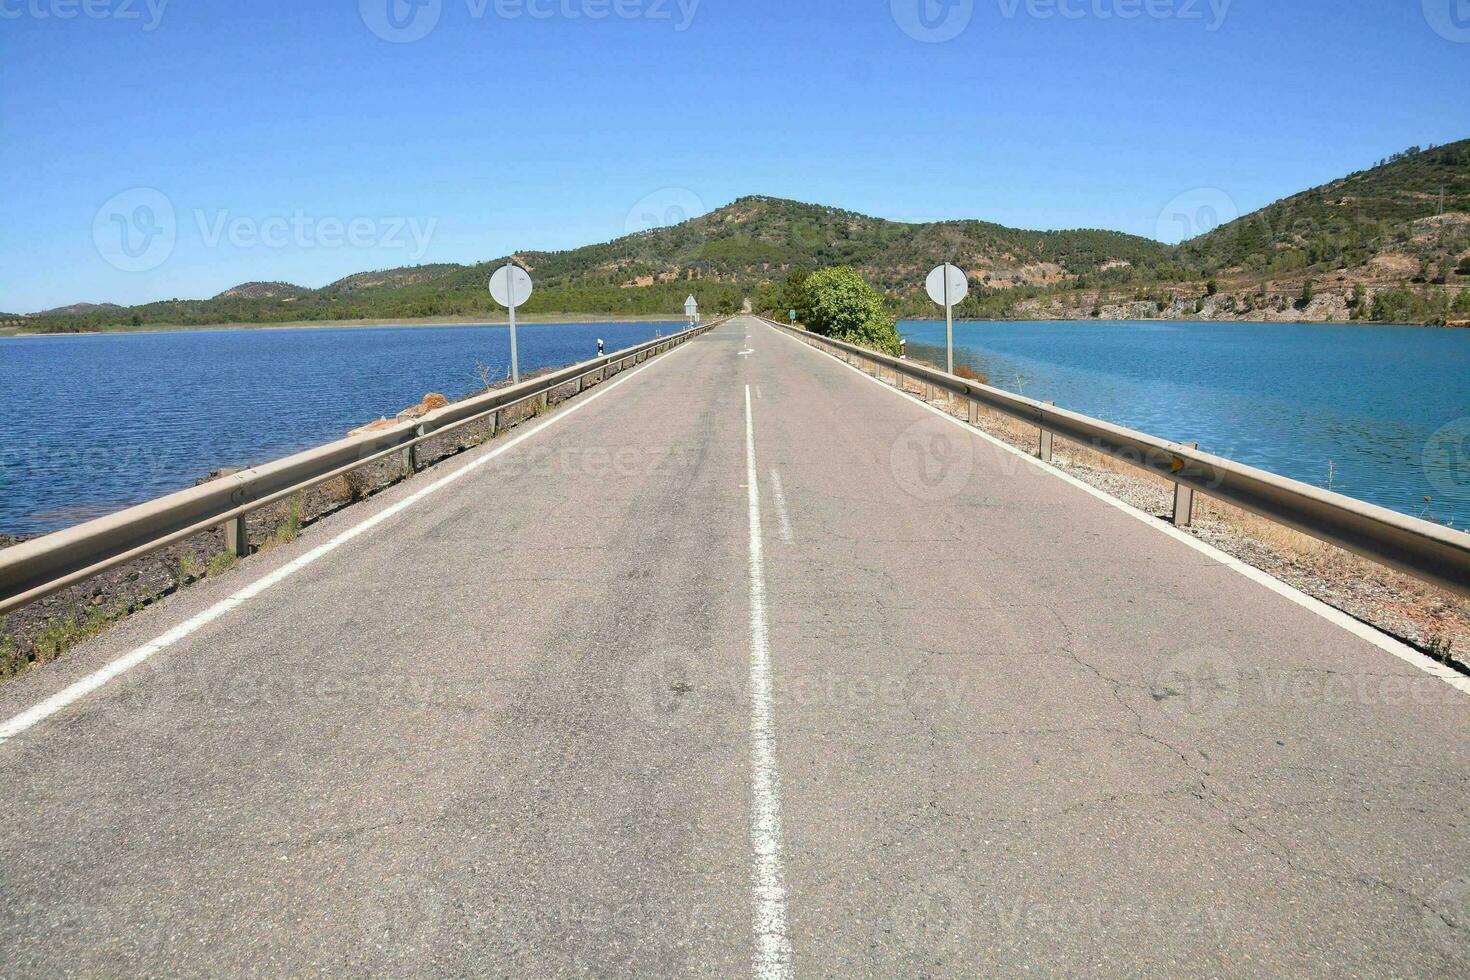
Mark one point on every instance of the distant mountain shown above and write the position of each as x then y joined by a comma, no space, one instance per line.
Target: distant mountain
1387,243
84,309
1417,204
391,278
264,290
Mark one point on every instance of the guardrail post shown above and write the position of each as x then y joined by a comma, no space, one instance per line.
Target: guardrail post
237,542
544,402
1184,499
411,453
974,411
1043,449
415,463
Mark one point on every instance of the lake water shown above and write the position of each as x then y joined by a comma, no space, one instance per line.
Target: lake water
91,424
1378,413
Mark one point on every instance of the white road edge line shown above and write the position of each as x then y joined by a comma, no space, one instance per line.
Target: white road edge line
80,689
773,957
1337,617
782,515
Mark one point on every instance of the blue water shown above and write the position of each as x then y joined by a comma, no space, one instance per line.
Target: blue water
1378,413
91,424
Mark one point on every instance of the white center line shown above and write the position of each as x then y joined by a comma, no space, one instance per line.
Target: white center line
80,689
773,956
781,513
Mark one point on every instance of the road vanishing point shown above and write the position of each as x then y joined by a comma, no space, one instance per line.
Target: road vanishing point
740,664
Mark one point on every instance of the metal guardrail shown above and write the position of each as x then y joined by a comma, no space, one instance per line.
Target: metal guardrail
1425,550
41,566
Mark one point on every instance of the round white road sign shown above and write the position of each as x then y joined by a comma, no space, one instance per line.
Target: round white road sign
510,285
959,284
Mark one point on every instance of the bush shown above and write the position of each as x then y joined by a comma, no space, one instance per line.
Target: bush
970,374
844,307
1464,267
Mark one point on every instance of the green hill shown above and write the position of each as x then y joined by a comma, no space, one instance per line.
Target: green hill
1386,243
1414,204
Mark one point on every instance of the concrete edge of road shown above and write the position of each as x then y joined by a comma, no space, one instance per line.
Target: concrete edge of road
68,694
1312,604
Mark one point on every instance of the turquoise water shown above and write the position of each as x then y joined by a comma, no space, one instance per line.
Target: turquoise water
1378,413
91,424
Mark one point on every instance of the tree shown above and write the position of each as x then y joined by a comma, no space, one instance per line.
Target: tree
1358,304
845,307
794,296
1212,287
768,300
1309,292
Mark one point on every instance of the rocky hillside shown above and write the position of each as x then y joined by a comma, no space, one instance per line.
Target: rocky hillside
264,290
1389,243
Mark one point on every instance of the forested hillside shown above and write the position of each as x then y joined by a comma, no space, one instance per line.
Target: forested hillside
1389,243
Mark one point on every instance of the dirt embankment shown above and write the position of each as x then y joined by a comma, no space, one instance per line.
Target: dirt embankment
1343,298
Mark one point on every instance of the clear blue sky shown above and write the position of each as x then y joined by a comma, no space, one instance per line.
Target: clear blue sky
500,130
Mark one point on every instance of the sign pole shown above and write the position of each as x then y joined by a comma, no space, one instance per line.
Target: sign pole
948,325
948,285
511,286
515,363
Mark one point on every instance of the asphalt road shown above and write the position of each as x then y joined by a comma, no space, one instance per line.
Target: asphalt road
909,705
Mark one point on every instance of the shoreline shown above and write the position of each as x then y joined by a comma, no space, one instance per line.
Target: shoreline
533,318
